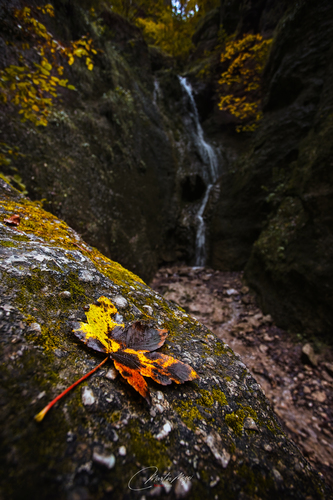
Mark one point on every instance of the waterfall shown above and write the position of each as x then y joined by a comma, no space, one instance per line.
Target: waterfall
210,162
157,92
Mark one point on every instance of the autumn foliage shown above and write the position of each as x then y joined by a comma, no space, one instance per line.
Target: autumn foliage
240,83
131,348
165,24
33,84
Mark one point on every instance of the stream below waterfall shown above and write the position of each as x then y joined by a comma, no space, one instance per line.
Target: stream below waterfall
298,391
209,173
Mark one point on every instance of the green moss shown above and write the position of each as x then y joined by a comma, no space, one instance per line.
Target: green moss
20,237
147,449
206,399
236,420
219,396
6,179
190,410
188,413
9,244
281,231
116,416
221,349
75,287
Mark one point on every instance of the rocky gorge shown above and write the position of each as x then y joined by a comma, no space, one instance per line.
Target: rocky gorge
140,166
121,163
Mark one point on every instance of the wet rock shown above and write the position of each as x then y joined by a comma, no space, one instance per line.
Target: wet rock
287,262
35,327
166,429
85,276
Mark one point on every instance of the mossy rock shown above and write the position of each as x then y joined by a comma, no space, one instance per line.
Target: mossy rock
103,440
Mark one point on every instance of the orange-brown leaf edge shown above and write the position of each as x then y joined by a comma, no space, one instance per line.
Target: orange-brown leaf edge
133,377
160,367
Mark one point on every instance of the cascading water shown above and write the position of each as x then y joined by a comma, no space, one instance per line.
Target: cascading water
210,162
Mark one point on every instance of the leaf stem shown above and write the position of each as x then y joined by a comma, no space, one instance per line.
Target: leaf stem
39,417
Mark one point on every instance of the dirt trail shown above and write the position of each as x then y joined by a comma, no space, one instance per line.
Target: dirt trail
300,391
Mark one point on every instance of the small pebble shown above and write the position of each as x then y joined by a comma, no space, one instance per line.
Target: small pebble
108,460
85,276
149,310
111,374
120,301
122,451
167,428
250,424
35,327
88,397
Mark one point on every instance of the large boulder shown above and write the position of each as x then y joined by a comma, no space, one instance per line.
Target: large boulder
214,437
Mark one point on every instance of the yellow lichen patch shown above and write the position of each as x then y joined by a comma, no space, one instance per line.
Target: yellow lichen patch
100,324
35,220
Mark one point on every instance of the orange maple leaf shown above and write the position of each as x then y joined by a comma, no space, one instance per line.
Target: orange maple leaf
130,348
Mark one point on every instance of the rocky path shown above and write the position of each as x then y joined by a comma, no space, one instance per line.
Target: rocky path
298,383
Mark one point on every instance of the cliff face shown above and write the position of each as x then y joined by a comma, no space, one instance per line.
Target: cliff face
116,154
276,199
215,435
